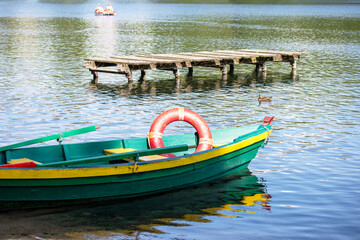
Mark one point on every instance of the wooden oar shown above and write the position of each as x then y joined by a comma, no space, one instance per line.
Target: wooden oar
48,138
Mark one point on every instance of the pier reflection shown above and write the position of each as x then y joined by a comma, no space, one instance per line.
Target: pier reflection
236,195
190,84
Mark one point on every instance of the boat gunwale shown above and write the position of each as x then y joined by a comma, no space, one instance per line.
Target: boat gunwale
179,170
247,139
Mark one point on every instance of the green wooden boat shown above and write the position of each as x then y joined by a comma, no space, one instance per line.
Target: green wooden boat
67,174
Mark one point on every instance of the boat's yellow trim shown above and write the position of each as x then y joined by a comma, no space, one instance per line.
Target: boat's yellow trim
255,199
58,173
219,211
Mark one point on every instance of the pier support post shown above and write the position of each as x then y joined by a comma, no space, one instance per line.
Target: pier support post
190,73
263,67
293,75
257,68
293,65
95,77
231,71
223,70
176,72
142,76
129,76
178,85
293,69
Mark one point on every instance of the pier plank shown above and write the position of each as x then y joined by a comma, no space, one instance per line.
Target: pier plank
175,61
145,59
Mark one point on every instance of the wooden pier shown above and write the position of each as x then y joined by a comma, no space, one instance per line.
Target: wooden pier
173,62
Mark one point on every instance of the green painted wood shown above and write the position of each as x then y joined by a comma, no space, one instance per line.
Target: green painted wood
7,156
148,183
246,180
54,153
21,193
128,177
50,137
65,150
114,157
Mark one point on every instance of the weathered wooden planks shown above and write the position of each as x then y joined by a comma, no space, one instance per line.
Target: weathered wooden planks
174,61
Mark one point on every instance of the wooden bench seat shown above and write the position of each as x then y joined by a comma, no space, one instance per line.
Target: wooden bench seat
22,160
124,150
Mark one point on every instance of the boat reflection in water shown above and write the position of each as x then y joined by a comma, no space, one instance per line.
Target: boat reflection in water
236,195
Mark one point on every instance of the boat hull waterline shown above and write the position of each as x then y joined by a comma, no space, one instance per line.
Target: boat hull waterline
54,186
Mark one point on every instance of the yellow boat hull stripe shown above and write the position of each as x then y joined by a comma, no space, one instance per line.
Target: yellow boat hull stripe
60,173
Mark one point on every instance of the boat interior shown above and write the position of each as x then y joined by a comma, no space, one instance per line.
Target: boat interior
98,150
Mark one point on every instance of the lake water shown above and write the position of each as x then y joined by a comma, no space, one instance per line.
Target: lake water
303,185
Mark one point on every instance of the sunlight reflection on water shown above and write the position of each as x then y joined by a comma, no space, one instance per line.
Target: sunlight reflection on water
309,168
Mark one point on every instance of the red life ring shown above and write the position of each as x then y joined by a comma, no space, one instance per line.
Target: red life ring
180,114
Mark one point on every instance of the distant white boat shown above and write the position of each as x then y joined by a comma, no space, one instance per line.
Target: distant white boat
108,11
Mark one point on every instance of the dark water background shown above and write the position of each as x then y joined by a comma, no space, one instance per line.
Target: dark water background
303,185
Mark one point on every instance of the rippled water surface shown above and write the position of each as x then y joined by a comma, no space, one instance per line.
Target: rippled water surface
303,185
